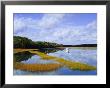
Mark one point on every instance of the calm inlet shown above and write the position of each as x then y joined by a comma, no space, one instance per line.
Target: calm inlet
51,61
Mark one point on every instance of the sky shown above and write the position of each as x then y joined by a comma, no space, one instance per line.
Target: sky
62,28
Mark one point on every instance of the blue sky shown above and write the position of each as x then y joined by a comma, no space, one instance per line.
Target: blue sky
68,29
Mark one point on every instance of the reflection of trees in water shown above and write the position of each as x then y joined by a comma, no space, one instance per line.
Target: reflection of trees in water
48,50
22,56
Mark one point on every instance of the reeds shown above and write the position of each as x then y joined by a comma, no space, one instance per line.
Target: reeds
46,67
36,67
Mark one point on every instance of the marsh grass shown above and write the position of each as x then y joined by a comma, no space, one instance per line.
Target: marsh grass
46,67
36,67
22,50
70,64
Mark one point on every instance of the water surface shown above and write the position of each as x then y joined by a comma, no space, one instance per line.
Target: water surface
78,54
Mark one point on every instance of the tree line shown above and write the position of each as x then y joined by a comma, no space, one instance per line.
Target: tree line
23,42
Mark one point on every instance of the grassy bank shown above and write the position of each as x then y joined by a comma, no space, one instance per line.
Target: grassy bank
36,67
62,62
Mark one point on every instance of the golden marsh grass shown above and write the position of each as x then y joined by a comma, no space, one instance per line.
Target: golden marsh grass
62,62
36,67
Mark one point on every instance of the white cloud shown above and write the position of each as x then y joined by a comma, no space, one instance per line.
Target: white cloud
92,25
18,24
50,20
46,22
67,34
22,23
75,35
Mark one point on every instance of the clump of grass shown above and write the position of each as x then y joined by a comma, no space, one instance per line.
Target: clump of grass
43,56
36,67
22,50
76,65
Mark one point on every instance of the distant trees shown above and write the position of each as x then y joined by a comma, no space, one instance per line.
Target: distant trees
81,45
23,42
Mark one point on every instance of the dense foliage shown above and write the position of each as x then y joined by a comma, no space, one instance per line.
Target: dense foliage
23,42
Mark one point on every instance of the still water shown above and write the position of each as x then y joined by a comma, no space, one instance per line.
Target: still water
86,55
